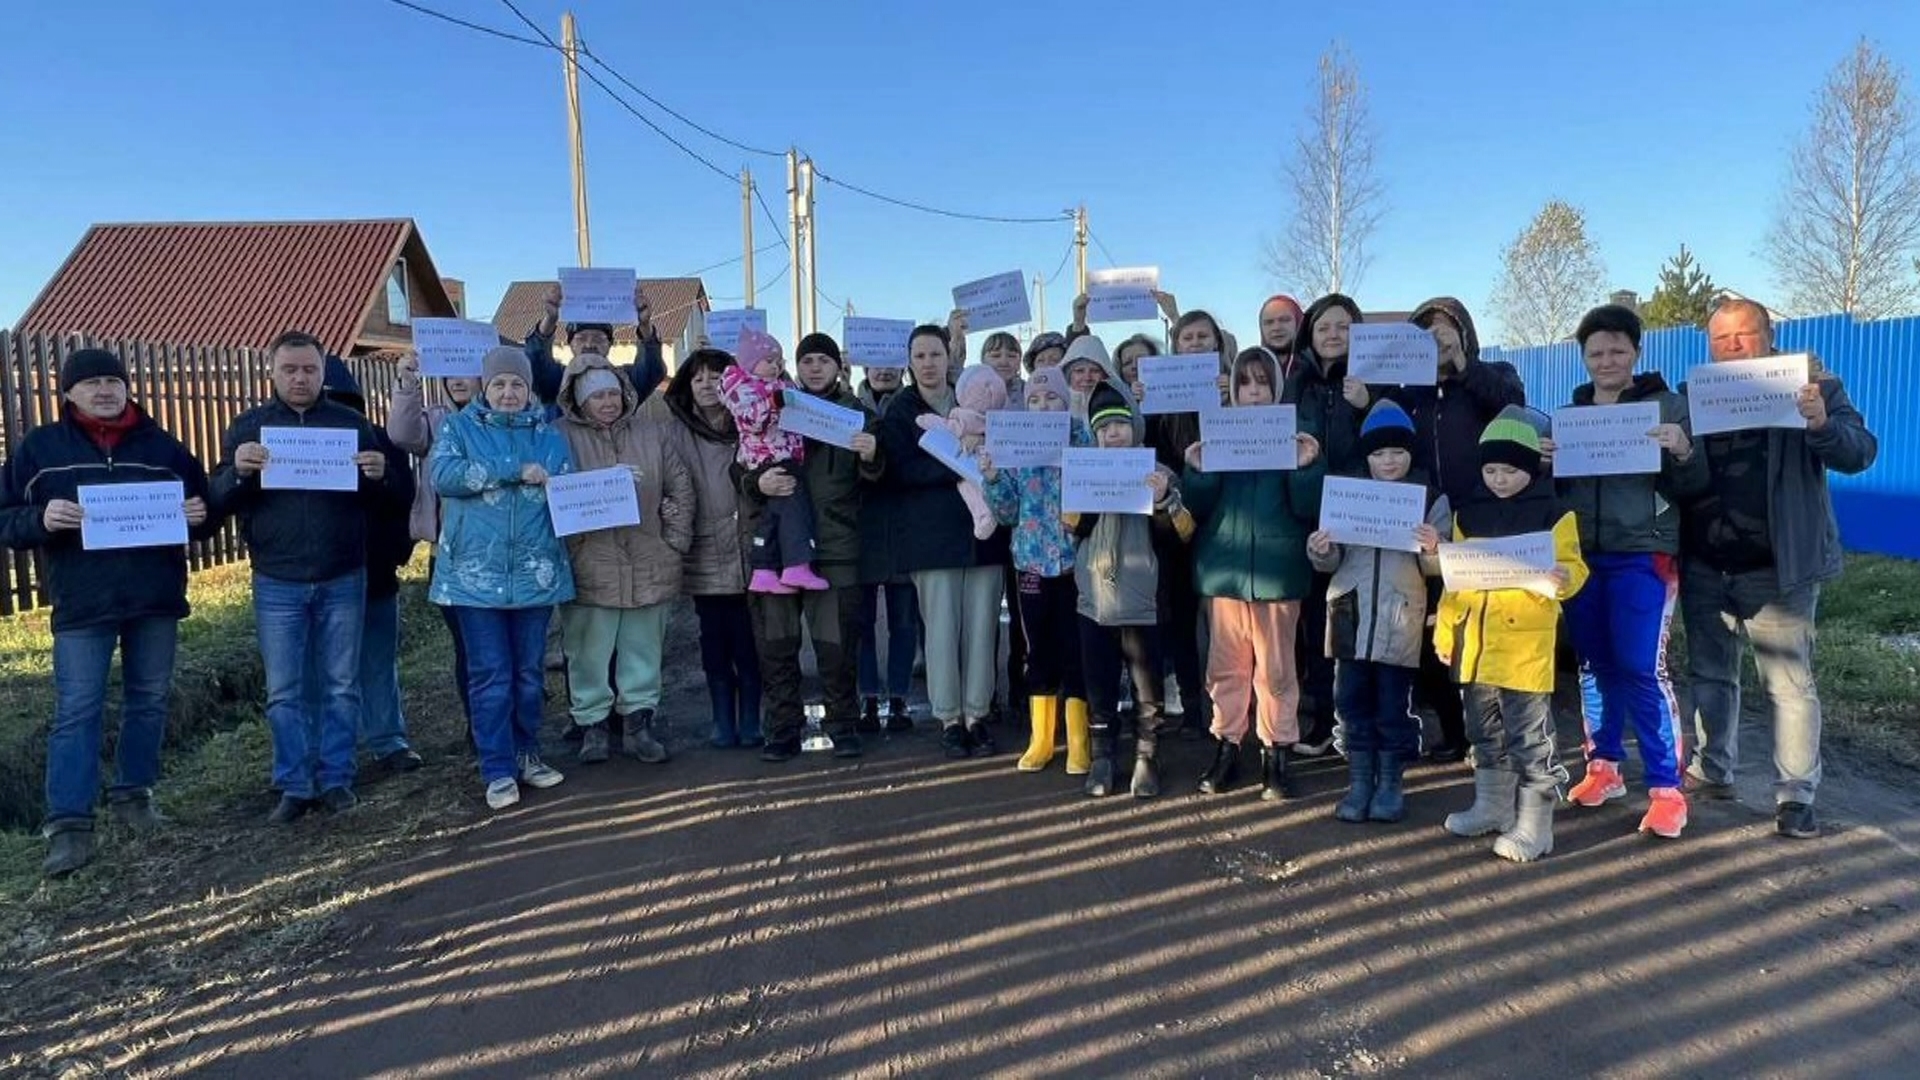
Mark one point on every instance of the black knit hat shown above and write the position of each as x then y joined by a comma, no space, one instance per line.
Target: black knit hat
84,364
1106,402
822,344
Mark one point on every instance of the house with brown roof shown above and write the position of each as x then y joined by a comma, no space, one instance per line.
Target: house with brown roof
671,301
356,285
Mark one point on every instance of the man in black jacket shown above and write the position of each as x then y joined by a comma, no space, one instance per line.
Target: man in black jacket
646,373
309,552
132,597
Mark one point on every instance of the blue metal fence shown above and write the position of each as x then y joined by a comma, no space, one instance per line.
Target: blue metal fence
1879,510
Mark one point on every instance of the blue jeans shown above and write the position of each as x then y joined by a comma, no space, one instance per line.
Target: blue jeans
81,660
903,638
323,620
1721,609
731,661
1620,623
1375,705
383,729
506,683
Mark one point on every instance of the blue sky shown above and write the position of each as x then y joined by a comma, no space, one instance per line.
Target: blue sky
1665,122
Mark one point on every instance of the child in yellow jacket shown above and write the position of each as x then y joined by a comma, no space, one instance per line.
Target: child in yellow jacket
1500,646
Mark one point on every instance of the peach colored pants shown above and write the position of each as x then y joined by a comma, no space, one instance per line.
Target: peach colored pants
1250,668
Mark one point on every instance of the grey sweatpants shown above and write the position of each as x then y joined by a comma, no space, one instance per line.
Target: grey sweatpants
960,609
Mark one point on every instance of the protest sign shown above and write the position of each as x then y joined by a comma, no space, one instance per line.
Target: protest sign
1741,395
1026,440
1097,481
1393,354
820,420
1000,300
1373,513
945,448
593,500
1248,438
876,343
149,514
1504,562
1180,384
452,348
1605,440
310,459
597,294
1122,294
723,327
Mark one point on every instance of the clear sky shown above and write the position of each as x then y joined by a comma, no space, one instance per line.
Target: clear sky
1666,122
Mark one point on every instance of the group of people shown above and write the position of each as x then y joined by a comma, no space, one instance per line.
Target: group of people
1229,585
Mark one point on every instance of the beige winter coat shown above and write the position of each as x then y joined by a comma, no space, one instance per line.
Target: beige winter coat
716,564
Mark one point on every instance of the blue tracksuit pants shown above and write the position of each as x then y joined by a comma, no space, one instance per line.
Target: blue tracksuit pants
1620,623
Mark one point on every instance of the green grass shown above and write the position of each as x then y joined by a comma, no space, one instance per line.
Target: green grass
1867,658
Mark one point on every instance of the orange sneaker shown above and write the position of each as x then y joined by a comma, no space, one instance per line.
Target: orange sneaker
1667,814
1601,784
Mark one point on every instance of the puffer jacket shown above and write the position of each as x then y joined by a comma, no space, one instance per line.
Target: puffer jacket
1620,515
1506,637
411,423
1116,568
836,484
1377,602
716,563
637,565
497,549
1028,502
755,405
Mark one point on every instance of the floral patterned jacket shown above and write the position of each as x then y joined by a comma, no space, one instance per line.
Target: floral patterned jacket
497,548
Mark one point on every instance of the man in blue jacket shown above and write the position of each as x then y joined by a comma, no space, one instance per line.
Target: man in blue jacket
309,552
133,598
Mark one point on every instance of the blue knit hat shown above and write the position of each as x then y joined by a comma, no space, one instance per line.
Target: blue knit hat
1387,427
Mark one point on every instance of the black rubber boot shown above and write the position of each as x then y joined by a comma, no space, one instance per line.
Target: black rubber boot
1224,770
1100,772
1360,787
1273,773
1389,802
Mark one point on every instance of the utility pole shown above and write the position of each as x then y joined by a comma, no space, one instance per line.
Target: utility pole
746,226
795,241
813,235
576,137
1040,296
1080,246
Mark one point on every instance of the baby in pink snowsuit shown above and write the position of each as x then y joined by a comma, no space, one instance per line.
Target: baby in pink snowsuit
782,556
979,391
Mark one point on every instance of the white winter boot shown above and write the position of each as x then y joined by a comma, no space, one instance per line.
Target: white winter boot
1532,832
1493,804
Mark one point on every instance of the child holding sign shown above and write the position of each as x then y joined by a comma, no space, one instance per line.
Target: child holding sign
783,548
1509,674
1376,630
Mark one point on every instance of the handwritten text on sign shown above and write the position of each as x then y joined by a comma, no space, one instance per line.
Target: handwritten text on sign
1372,513
723,327
822,421
1180,384
876,343
943,447
1505,562
1606,440
1249,439
1095,481
1393,354
1026,440
597,294
593,500
1122,294
310,459
1740,395
1000,300
132,515
452,348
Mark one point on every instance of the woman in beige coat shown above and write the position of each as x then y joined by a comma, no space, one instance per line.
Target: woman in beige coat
624,578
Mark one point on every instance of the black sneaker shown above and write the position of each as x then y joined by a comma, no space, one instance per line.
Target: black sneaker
953,739
780,750
899,716
869,722
401,760
339,800
848,746
291,809
1795,819
982,740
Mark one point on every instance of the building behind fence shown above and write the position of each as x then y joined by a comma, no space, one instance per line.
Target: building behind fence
1879,510
192,392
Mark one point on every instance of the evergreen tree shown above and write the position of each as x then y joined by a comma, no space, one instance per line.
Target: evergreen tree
1684,296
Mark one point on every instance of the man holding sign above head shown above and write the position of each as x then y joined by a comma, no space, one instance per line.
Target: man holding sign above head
1756,547
131,595
645,374
302,472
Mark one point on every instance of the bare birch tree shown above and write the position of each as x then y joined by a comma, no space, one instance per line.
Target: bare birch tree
1849,218
1336,201
1552,276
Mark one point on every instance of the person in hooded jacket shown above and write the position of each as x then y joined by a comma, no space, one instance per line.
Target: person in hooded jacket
624,579
1280,329
714,570
411,423
1250,559
645,374
130,598
880,586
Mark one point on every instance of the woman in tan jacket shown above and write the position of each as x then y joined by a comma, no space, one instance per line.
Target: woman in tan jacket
624,578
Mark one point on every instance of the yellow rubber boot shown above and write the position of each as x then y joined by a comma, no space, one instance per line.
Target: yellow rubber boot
1079,738
1045,712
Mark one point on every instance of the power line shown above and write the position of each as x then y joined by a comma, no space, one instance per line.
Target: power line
730,262
831,302
1101,244
1068,254
925,209
775,279
777,230
670,111
444,17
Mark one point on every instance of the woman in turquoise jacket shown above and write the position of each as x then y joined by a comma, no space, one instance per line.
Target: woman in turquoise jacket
499,567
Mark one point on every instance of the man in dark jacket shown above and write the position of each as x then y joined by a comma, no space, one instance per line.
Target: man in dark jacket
1755,549
132,597
646,373
309,552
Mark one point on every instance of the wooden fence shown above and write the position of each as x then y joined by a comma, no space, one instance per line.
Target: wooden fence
194,392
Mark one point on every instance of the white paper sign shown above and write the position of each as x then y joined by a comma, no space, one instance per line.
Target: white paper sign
1180,384
1393,354
452,347
1373,513
597,294
1249,438
1740,395
723,327
1000,300
1123,294
1605,440
1505,562
822,421
310,459
1026,440
151,514
1097,481
876,343
593,500
945,449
